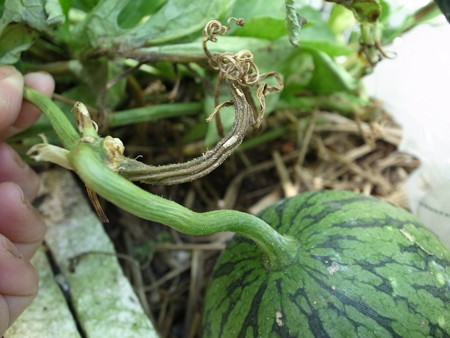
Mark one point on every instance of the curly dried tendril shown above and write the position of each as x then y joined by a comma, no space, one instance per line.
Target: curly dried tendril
238,71
238,67
213,28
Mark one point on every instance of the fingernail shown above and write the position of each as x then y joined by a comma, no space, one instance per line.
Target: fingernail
19,192
7,71
11,248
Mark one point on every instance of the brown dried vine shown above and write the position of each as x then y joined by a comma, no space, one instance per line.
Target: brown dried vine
239,72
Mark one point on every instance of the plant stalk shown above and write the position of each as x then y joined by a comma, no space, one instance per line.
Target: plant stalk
86,159
66,133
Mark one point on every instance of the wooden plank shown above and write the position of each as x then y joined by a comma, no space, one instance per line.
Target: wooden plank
48,316
102,299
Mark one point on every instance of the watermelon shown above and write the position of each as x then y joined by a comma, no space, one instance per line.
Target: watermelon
362,268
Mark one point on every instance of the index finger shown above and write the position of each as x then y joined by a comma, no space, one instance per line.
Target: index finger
11,88
28,113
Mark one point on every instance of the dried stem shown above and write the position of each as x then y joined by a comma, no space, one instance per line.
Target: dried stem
239,72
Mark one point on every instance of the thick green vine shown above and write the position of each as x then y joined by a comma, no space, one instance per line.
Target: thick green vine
88,161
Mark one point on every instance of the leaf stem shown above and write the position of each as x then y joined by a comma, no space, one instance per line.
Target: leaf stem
86,159
66,133
152,113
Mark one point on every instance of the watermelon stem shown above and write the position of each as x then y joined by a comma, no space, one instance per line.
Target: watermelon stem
95,160
87,159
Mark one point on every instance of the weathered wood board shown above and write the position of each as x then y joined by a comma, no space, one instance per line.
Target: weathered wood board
102,301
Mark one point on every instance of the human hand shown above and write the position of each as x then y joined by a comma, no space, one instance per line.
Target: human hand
21,228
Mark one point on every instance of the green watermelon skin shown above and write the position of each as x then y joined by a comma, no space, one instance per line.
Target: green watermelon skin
364,268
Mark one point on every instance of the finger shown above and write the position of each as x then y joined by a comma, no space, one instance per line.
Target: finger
19,221
15,305
28,114
11,87
13,169
42,82
18,283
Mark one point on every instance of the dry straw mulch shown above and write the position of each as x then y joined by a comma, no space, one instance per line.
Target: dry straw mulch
321,150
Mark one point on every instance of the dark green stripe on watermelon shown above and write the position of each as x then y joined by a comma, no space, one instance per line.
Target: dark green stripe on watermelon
364,268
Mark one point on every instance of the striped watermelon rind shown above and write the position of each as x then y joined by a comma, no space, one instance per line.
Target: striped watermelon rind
364,268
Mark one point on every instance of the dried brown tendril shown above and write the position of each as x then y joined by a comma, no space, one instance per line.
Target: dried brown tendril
239,72
232,66
239,69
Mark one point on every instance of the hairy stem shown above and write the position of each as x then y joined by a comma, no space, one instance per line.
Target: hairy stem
85,158
60,124
200,166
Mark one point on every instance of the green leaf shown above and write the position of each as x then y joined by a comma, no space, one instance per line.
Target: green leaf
331,48
263,27
317,33
65,6
386,12
254,8
137,10
316,28
297,71
340,19
328,76
14,40
170,23
367,11
38,14
101,27
15,33
268,19
84,5
93,77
